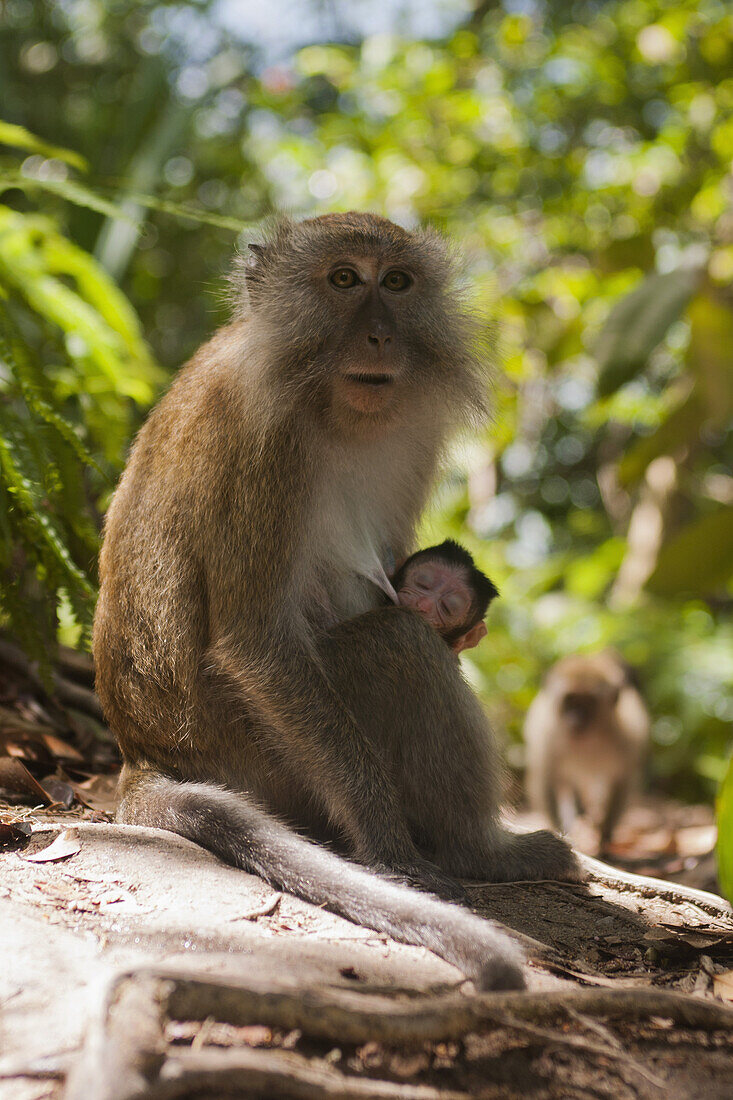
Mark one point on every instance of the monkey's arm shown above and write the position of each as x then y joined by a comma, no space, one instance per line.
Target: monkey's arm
259,642
292,696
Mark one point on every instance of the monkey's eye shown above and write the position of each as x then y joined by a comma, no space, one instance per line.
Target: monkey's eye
396,281
343,278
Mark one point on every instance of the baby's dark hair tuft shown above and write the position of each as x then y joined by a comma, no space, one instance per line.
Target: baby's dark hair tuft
483,590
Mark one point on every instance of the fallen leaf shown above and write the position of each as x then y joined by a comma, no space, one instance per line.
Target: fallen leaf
723,985
16,778
61,791
60,748
14,835
10,748
98,793
66,844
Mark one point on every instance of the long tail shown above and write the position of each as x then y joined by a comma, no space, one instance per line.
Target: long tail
240,833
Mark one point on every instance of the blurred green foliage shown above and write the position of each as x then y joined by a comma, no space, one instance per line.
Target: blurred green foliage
72,365
725,833
581,155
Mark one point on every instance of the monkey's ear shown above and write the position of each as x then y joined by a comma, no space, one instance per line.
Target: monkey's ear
252,266
471,638
254,261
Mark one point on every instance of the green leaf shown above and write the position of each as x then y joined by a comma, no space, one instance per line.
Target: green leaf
190,213
20,138
69,190
711,355
638,323
9,338
699,559
725,833
119,209
589,575
96,286
23,494
32,255
682,425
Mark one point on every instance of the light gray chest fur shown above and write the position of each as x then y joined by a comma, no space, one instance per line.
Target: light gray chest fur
359,513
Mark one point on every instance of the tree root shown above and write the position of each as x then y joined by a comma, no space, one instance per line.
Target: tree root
126,1054
355,1017
672,892
276,1074
626,882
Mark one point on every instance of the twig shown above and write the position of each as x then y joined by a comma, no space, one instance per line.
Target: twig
593,1025
269,906
609,1038
13,722
80,698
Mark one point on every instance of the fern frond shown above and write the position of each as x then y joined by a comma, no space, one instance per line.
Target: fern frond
23,494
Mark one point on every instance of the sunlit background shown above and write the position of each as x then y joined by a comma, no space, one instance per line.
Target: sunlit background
579,153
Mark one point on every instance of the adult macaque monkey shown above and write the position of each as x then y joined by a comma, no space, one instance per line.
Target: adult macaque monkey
289,458
586,734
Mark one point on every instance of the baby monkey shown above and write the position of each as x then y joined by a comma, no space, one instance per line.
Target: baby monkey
446,587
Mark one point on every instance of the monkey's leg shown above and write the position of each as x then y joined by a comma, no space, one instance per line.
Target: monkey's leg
541,785
567,808
431,729
231,826
615,806
304,726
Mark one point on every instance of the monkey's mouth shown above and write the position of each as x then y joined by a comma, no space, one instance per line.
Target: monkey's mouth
368,392
375,380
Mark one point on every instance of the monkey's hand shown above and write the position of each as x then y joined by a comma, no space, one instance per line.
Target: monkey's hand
425,876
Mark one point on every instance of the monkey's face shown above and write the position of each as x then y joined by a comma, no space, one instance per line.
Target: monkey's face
369,356
363,317
439,592
583,706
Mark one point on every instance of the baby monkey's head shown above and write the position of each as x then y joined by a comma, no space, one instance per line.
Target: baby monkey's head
444,585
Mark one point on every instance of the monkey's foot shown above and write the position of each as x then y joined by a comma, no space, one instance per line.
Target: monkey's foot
425,876
516,857
540,855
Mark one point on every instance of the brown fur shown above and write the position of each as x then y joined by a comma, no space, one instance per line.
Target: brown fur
586,734
255,501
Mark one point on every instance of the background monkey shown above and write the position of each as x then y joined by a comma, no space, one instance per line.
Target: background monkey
586,733
444,585
259,498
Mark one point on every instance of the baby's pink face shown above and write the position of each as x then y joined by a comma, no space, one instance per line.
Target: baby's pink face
439,592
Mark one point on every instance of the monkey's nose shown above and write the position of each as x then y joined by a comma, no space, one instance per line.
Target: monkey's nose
379,340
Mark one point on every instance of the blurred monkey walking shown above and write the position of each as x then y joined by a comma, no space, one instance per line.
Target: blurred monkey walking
586,735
